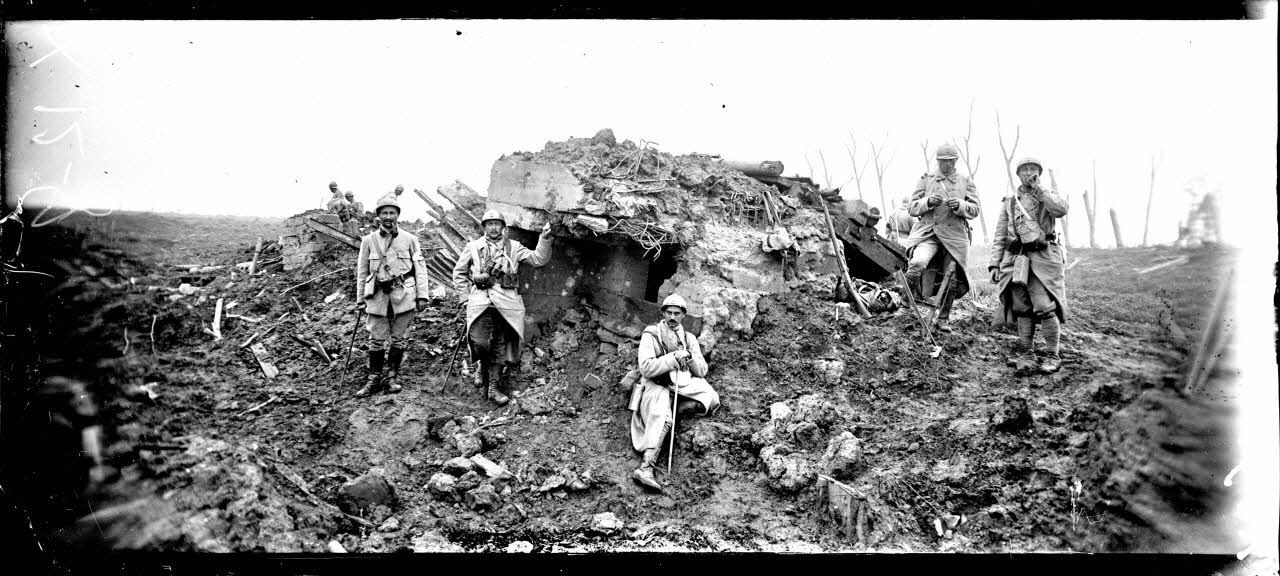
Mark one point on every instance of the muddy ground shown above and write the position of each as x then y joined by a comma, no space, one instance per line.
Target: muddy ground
202,452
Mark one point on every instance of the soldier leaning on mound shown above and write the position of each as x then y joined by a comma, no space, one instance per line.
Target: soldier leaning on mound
668,355
486,276
336,204
357,208
1043,299
945,202
391,285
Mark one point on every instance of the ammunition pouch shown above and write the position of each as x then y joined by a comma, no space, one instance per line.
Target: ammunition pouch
386,286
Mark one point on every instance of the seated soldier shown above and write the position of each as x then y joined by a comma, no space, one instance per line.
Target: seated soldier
669,356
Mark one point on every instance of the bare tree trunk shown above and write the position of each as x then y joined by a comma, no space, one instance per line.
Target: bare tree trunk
1146,224
1008,155
924,151
1091,208
973,173
880,168
853,159
1115,227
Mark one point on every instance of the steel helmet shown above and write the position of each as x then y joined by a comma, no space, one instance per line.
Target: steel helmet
349,194
675,300
333,185
492,214
388,200
399,189
1028,160
947,152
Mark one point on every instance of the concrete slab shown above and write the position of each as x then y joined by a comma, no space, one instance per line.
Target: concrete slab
541,185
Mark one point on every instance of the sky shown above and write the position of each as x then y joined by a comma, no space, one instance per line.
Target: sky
256,118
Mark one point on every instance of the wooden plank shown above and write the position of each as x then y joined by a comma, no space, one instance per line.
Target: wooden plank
755,168
260,354
439,214
334,233
460,208
454,250
253,264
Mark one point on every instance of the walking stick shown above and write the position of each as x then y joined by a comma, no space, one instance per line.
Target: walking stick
675,401
924,326
352,345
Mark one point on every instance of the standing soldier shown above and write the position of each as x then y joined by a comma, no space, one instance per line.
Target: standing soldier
900,222
945,202
356,207
391,285
1026,228
336,204
668,356
486,277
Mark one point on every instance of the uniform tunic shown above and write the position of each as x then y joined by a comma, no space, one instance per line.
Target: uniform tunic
1046,265
657,359
390,313
507,301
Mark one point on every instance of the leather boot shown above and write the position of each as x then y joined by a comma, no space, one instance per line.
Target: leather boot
393,370
495,378
374,378
645,473
1050,327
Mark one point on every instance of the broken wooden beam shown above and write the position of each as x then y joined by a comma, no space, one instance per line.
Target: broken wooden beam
257,250
334,233
217,321
260,354
439,213
329,273
1175,262
459,206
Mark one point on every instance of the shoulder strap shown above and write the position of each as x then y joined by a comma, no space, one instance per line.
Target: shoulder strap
657,338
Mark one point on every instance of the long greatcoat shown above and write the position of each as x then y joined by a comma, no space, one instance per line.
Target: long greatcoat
402,254
651,401
1048,265
507,300
951,227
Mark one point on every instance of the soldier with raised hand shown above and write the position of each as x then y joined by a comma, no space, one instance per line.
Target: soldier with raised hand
391,285
486,276
1026,227
945,202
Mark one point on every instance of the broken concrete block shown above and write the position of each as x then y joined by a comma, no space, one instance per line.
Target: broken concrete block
779,411
628,330
335,547
843,458
365,492
606,523
592,223
610,337
1013,415
436,426
831,370
563,343
442,484
391,525
814,408
608,349
483,497
458,466
536,404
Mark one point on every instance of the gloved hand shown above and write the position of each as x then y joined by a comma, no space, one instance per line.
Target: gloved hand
421,304
953,203
359,306
995,274
934,200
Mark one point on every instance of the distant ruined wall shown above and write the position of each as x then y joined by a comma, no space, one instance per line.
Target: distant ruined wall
299,244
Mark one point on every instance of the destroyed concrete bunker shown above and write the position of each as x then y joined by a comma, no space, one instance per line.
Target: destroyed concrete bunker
633,224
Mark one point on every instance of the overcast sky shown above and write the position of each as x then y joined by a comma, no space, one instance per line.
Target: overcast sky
258,117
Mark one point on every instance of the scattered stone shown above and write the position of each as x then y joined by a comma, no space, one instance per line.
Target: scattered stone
842,459
432,541
467,482
913,447
831,370
779,411
788,473
814,408
539,353
606,138
704,438
468,444
606,523
482,498
365,492
410,461
442,484
436,425
608,348
459,466
336,548
628,330
519,547
1013,415
953,470
574,317
536,404
551,483
563,343
391,525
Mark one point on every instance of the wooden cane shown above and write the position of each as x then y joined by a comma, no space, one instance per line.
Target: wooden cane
352,345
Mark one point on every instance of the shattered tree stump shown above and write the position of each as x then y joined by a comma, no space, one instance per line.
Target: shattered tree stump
843,505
